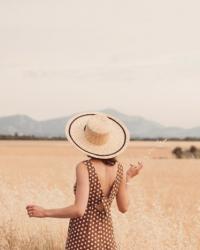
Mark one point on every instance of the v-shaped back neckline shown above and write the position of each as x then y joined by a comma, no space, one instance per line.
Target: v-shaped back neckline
100,186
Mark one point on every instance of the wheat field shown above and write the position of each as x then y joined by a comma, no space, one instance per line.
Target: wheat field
164,212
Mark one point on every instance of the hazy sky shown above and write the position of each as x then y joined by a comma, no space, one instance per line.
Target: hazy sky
64,56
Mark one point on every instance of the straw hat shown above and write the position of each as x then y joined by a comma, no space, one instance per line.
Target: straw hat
97,134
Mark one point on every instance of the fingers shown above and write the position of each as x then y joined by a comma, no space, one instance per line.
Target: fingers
30,213
137,167
133,166
30,210
29,206
140,165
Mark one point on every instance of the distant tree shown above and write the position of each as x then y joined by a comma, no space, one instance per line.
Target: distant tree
193,149
178,152
194,152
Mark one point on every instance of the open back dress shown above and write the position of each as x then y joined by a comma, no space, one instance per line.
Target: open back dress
94,230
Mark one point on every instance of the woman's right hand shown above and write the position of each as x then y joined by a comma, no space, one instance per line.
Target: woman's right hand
133,171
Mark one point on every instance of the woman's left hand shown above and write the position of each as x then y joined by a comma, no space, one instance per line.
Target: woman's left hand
133,170
35,211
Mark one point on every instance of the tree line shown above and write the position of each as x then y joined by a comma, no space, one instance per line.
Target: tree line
16,136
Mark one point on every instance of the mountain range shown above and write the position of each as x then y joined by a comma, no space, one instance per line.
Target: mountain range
138,126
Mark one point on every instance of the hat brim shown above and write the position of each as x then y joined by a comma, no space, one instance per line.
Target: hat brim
116,144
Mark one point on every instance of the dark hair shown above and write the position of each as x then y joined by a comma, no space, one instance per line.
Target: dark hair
109,162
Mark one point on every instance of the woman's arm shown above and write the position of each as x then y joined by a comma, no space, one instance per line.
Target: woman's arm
122,196
75,210
67,212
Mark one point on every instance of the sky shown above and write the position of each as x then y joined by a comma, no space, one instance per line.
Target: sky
142,58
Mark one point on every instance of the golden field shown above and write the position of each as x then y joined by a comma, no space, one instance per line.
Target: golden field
164,211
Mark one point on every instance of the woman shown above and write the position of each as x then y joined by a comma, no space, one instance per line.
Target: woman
99,180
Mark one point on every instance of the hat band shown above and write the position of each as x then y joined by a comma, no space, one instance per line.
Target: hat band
95,138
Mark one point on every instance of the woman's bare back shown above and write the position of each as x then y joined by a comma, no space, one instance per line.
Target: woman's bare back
106,175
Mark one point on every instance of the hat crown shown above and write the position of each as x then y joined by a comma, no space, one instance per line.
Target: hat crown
99,124
97,129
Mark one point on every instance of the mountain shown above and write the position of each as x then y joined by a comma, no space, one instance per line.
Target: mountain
24,125
138,126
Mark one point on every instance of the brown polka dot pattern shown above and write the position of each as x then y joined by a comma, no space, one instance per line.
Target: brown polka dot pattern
94,230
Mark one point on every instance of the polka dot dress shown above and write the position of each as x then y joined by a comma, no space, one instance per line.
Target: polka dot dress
94,230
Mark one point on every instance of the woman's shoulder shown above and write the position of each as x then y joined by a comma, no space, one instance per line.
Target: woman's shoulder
82,164
81,168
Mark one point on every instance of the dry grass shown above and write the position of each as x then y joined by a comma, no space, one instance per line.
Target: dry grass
164,211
